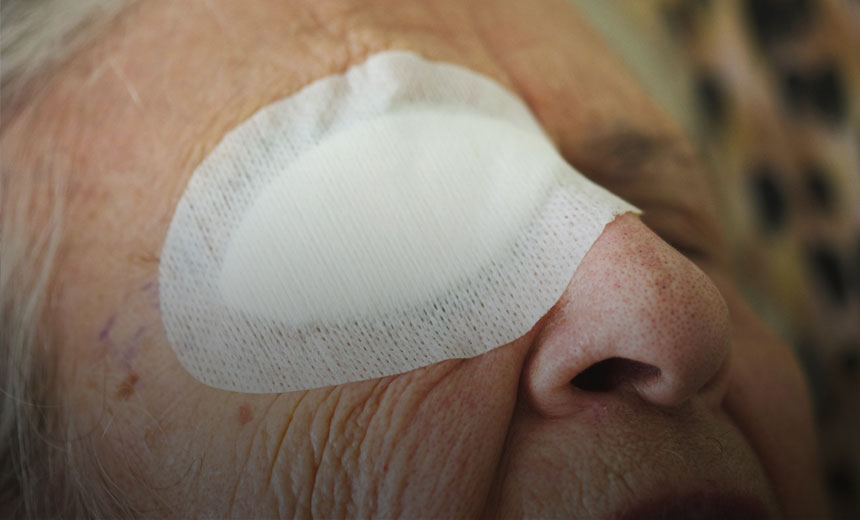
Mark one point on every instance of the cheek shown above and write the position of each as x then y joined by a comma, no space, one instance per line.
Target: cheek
429,440
769,400
443,425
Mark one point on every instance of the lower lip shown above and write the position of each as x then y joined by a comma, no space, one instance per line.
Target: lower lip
701,506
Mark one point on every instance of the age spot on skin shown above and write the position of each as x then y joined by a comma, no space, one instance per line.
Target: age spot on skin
126,388
245,414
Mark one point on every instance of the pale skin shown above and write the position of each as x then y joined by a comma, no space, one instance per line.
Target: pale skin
720,406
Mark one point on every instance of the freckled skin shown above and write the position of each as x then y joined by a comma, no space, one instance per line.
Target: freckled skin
722,405
662,311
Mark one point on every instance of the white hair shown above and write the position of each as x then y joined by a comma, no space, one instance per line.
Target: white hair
38,470
26,416
36,35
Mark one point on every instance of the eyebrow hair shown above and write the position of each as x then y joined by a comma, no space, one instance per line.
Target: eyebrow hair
664,175
624,153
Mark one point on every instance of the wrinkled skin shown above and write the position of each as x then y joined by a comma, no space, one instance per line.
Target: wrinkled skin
709,402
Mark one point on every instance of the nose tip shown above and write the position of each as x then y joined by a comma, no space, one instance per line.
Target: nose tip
637,315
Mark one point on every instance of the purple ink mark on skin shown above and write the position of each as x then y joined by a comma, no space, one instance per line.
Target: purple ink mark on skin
105,332
152,288
131,350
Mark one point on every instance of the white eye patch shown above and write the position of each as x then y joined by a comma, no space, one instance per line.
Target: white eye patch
398,215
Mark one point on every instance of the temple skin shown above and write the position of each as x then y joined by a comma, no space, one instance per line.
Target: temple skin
710,402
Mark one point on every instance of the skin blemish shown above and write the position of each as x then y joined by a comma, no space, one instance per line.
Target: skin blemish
126,388
105,332
131,350
245,414
150,288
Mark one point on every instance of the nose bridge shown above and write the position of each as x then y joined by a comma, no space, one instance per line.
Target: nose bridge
633,298
666,310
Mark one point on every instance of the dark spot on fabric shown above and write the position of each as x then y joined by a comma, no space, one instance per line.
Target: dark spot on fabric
793,89
245,414
769,197
819,89
842,480
819,187
857,267
711,97
810,360
680,18
126,388
849,360
827,93
828,271
774,20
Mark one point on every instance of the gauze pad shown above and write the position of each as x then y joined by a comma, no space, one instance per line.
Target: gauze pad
398,215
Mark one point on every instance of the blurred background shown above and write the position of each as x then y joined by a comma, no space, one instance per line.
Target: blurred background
770,92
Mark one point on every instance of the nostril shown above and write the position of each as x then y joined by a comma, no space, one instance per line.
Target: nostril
609,374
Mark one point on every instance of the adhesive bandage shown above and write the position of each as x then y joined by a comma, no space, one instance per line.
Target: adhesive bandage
403,213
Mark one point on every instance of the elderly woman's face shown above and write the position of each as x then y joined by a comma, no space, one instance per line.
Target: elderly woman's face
648,387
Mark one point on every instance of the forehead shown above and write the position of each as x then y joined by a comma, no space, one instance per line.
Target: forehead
133,114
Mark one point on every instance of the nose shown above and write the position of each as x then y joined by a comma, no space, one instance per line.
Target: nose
638,318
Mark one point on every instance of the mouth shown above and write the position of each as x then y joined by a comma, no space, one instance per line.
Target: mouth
702,506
